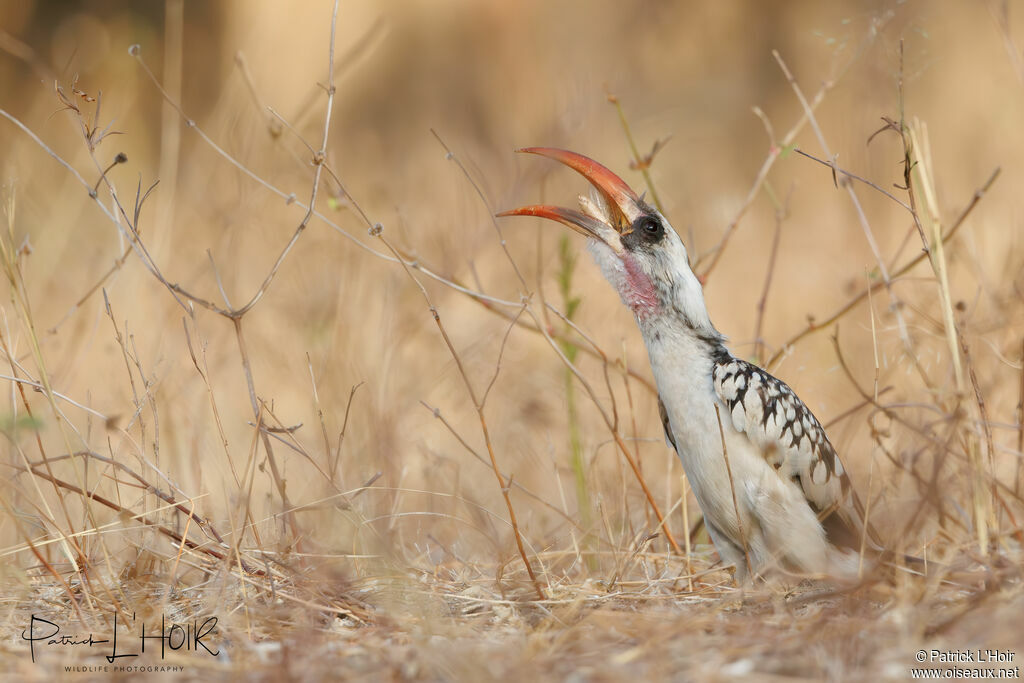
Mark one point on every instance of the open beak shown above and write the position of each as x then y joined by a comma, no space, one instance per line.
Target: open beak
620,201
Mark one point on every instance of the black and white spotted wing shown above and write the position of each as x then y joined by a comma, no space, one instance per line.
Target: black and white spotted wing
791,440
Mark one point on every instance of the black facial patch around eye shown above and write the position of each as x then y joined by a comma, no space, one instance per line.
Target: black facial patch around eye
646,230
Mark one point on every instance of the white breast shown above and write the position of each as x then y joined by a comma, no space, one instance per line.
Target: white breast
779,527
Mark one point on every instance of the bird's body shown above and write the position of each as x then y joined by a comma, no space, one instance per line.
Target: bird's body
777,496
782,481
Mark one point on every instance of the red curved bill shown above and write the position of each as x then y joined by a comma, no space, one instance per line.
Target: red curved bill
614,188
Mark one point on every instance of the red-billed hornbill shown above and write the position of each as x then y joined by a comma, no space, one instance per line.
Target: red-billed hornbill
797,511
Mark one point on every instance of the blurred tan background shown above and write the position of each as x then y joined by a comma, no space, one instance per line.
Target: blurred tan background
488,77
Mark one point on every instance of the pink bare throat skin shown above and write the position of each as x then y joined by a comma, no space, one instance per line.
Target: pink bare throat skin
638,291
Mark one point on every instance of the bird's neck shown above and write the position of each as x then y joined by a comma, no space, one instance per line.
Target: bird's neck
668,301
680,309
682,343
677,340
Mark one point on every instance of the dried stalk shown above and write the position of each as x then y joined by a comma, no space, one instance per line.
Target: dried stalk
732,489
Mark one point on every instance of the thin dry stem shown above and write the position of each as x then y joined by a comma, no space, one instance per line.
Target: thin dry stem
780,214
775,151
479,406
732,489
815,326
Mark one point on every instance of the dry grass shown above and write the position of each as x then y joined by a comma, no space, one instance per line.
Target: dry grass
307,385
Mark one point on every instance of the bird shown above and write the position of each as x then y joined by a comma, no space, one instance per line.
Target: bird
775,496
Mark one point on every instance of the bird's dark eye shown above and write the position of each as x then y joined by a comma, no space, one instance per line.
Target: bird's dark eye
650,227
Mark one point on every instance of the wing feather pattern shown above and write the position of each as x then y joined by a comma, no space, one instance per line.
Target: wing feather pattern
794,443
